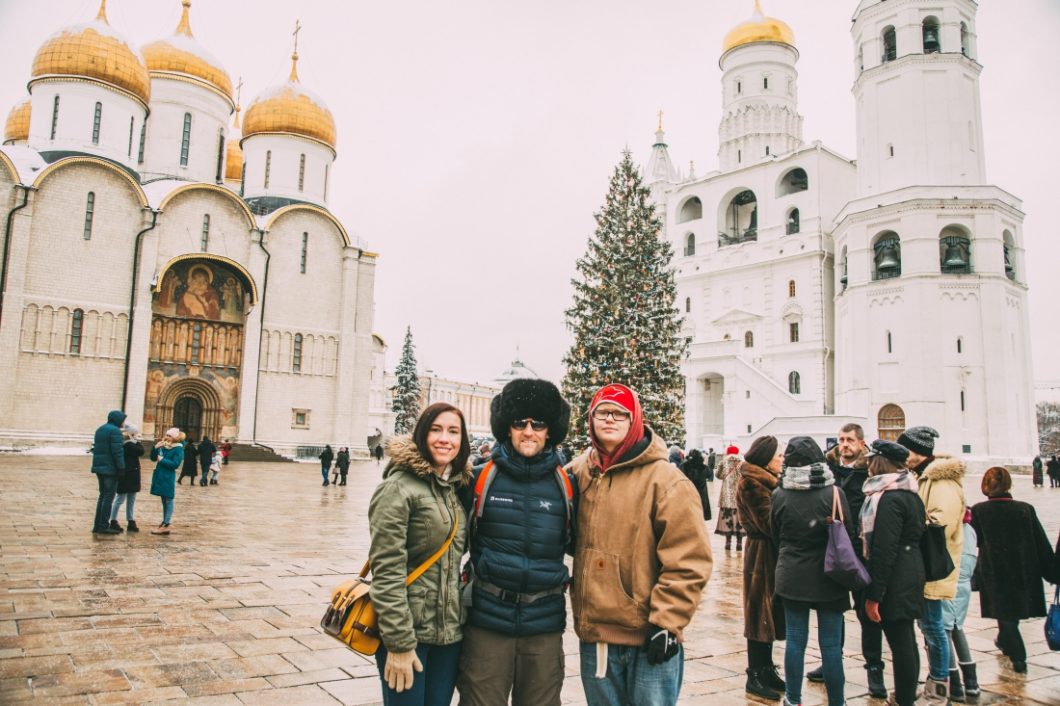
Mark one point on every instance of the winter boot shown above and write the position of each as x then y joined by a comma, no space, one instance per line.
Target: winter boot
771,676
132,526
877,689
935,692
956,688
115,526
756,684
728,542
971,679
816,675
739,542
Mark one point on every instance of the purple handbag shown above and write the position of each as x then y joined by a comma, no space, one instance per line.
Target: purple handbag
841,562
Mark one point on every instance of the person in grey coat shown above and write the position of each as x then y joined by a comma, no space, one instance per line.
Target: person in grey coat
108,463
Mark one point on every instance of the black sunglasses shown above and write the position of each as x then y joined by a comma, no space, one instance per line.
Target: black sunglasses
535,424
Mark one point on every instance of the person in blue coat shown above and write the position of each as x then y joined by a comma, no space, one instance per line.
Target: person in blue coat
522,503
108,463
169,452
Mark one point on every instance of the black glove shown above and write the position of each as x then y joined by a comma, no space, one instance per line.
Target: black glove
661,644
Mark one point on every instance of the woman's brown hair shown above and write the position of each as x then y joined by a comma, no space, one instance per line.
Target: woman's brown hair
878,465
423,426
996,481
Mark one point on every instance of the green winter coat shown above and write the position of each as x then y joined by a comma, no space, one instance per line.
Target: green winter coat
410,517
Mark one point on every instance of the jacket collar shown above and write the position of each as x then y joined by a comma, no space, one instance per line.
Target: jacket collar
522,467
860,462
760,475
404,456
655,450
945,467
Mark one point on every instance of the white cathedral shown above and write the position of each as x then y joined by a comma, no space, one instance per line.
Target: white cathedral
889,290
159,260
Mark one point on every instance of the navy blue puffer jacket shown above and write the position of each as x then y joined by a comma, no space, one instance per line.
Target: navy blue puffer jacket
519,545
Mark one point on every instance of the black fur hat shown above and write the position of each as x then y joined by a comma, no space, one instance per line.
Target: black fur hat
537,399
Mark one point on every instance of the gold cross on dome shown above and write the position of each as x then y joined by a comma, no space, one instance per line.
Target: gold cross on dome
660,120
297,29
239,90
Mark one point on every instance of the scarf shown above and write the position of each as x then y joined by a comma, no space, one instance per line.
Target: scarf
874,489
816,475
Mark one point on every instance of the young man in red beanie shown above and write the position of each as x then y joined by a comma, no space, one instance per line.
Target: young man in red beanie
641,561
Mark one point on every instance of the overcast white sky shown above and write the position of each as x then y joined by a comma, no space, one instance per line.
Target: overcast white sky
476,137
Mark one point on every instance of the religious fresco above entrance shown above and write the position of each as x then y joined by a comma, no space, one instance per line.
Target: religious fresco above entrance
198,289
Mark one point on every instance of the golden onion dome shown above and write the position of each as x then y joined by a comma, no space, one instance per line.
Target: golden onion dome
234,153
16,129
292,109
94,50
759,29
182,54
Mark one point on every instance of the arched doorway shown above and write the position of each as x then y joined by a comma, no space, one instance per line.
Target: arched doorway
187,416
890,422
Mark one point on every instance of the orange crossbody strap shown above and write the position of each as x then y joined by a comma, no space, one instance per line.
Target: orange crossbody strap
434,557
481,484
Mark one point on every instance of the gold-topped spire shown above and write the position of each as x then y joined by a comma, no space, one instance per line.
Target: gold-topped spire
293,78
660,120
102,15
185,23
759,29
239,93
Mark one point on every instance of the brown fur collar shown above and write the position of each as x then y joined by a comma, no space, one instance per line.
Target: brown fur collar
945,468
759,475
404,456
860,462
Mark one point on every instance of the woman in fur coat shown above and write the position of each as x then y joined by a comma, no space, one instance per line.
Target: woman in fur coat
728,521
762,621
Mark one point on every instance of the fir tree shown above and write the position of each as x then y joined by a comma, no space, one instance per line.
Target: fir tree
625,326
407,390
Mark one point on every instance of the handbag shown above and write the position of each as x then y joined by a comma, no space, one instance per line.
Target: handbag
351,618
1052,623
841,563
938,564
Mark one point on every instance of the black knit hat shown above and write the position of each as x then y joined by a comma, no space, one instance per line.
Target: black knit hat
536,399
919,440
802,451
895,453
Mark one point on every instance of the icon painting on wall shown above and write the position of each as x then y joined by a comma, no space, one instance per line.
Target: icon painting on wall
198,290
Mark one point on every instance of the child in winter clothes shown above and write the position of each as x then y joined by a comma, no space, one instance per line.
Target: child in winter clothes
953,614
215,468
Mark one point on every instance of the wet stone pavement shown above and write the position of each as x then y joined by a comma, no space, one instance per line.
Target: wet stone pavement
225,609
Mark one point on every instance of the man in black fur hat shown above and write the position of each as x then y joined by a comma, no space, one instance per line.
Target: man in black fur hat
522,508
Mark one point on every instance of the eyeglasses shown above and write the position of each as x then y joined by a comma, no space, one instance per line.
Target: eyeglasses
535,424
617,415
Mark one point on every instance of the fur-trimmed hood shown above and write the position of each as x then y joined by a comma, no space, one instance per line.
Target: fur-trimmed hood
860,461
945,468
758,475
404,456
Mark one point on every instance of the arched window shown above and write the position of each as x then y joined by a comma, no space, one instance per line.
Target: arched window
1009,252
205,240
690,210
268,166
929,30
132,127
325,182
843,271
55,116
688,305
690,244
955,251
890,150
748,340
296,354
960,344
793,224
305,251
77,322
793,182
301,173
964,40
90,211
741,219
890,44
791,288
890,341
793,331
890,422
97,119
861,58
794,383
218,176
887,256
185,140
143,143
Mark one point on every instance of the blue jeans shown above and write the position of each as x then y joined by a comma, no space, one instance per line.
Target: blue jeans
630,680
829,639
107,486
938,644
434,686
324,472
130,502
167,510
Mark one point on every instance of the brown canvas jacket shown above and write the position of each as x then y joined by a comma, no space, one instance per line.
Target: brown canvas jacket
642,556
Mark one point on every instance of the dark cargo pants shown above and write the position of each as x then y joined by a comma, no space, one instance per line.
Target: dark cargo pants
494,665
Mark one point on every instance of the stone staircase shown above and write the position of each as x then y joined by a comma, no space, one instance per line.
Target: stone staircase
257,454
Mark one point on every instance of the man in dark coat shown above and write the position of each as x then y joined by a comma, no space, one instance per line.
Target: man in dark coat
1036,471
108,463
521,528
712,462
1053,469
206,452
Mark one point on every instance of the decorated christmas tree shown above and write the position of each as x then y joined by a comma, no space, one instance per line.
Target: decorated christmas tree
625,326
407,390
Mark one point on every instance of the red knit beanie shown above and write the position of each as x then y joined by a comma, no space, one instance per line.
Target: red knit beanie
732,451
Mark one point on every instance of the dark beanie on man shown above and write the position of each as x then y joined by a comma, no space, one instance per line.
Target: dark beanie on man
762,451
802,451
920,440
529,398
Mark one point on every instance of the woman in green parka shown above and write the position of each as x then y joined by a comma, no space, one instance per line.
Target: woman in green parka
411,517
